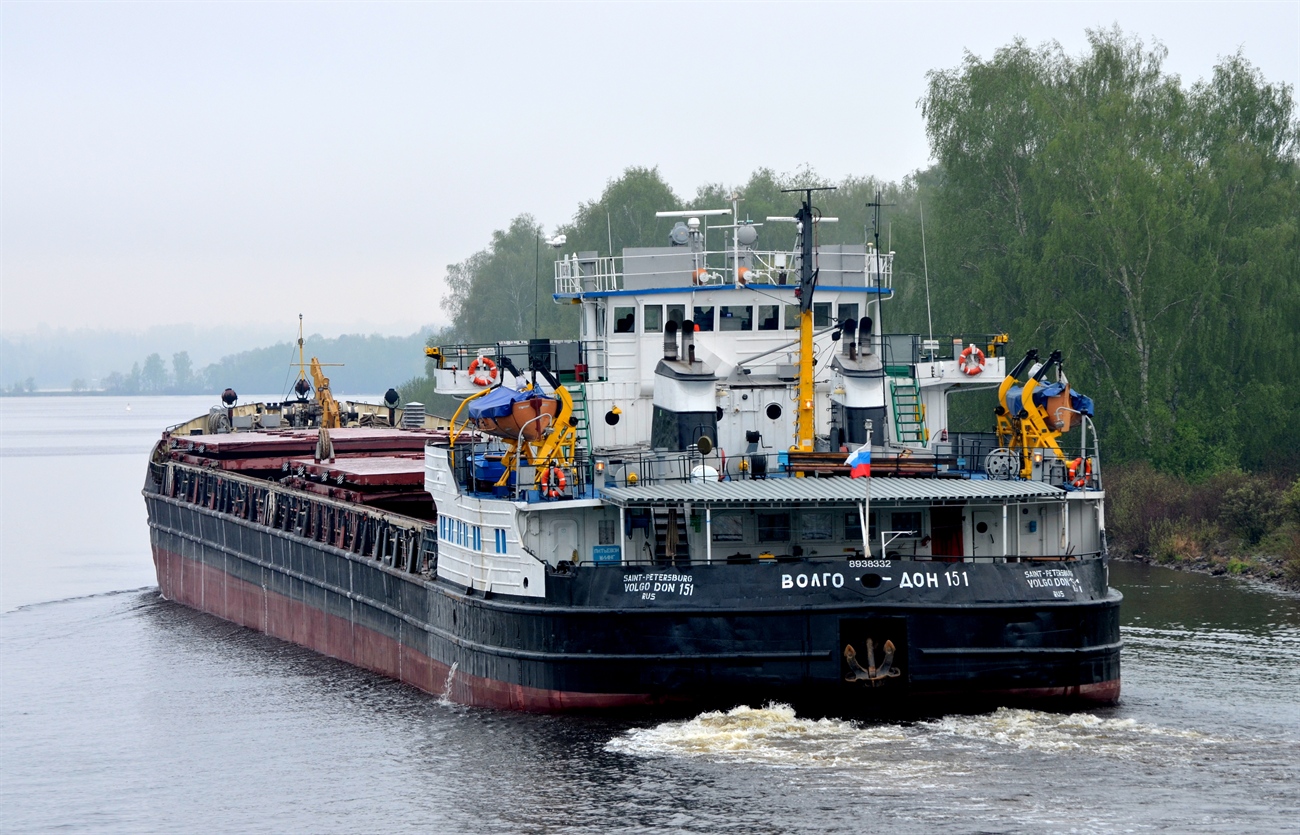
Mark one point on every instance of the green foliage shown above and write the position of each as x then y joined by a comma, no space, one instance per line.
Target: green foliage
370,365
1093,204
1291,559
153,377
623,216
1291,501
182,371
1171,519
1251,510
504,291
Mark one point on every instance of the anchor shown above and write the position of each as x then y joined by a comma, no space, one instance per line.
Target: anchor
872,673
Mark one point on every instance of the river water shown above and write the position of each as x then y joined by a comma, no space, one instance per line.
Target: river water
121,712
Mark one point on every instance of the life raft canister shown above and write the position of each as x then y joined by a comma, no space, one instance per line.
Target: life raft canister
971,360
483,372
553,482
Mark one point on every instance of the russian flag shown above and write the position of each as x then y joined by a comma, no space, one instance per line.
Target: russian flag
860,461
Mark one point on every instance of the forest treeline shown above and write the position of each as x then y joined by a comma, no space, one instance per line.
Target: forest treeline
369,365
1089,203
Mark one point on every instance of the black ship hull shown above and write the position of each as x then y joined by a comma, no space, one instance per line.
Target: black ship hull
964,635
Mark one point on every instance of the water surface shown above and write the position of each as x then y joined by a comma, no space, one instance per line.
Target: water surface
120,712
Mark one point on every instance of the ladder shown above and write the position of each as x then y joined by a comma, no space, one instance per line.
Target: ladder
668,523
909,412
580,419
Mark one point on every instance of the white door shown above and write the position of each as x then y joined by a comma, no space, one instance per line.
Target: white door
986,533
562,542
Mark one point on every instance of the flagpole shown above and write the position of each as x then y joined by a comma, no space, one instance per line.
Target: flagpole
864,509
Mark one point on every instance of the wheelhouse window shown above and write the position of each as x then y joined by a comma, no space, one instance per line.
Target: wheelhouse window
737,318
625,320
774,527
821,314
704,318
791,317
853,526
815,527
728,527
848,311
652,318
677,313
769,317
906,521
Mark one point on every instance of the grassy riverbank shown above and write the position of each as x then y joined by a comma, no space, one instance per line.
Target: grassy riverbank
1229,523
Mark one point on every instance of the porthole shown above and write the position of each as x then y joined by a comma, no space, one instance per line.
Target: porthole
773,410
525,582
611,417
982,527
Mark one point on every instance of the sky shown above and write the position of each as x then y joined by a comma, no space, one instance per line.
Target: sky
227,164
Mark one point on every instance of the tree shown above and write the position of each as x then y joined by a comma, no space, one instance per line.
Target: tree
78,384
496,293
115,383
624,215
182,372
1094,205
153,379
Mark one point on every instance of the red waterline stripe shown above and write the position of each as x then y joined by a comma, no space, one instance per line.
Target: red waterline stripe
211,590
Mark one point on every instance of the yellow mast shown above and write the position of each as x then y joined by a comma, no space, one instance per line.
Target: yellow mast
806,417
806,420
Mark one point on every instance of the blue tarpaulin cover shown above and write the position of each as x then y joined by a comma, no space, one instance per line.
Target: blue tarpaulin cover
1079,402
499,402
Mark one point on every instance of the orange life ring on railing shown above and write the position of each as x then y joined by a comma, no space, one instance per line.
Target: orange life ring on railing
553,482
971,360
483,372
1076,471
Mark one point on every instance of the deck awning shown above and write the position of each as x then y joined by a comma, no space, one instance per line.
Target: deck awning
778,492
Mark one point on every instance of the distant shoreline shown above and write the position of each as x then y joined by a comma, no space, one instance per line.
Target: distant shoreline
103,393
1269,571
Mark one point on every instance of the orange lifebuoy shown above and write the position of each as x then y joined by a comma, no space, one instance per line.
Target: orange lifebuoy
1076,471
971,360
553,482
483,372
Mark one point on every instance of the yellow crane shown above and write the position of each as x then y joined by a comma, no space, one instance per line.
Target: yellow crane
330,414
1029,429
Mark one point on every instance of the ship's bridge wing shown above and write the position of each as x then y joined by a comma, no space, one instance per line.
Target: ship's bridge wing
783,492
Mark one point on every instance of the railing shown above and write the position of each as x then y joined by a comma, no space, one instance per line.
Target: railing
907,349
561,356
402,543
968,450
581,273
575,274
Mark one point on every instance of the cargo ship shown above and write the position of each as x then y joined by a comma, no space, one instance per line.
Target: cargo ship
665,511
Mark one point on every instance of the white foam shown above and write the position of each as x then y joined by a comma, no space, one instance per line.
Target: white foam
1060,732
774,735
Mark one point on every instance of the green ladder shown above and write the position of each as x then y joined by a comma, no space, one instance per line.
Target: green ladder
579,418
909,412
